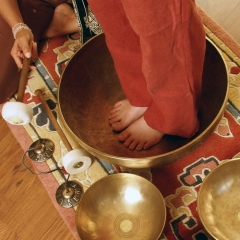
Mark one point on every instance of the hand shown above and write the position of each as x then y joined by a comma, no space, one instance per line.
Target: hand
22,49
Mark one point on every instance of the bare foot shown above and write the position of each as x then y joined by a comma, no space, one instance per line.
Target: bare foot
123,114
64,22
140,136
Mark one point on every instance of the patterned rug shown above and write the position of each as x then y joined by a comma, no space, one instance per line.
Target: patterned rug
178,182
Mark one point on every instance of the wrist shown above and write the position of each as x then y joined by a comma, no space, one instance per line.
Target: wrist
18,27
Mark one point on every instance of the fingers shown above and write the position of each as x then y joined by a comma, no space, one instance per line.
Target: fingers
34,52
24,47
17,54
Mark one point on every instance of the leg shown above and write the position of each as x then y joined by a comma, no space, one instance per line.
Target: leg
38,14
64,22
172,42
178,41
170,58
124,45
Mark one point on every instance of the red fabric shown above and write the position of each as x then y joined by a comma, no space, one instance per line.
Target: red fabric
158,50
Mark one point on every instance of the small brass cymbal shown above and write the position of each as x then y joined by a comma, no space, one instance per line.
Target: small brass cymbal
69,194
41,150
218,202
121,206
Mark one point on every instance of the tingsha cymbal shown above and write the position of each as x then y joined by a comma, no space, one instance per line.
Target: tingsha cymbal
121,206
69,194
41,150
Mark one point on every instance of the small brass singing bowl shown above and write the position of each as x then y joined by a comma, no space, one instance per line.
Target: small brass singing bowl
121,206
218,202
89,88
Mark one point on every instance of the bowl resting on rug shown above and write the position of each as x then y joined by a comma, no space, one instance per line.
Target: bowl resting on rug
121,206
89,87
218,202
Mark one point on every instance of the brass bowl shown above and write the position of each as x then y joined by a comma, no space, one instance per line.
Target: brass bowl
89,87
121,206
218,201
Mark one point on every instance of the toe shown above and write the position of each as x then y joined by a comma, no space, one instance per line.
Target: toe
140,146
129,143
114,120
133,145
112,115
117,104
147,145
118,126
123,136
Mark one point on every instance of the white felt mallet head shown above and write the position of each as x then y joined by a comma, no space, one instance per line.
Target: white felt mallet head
76,161
17,113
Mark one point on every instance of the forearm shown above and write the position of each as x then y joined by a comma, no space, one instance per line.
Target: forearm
10,12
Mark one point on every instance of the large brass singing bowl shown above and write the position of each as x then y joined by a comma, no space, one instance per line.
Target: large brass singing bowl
89,87
218,202
121,206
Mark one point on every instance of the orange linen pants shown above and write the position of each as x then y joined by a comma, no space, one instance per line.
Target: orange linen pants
158,48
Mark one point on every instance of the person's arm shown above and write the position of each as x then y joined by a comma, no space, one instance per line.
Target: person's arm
11,14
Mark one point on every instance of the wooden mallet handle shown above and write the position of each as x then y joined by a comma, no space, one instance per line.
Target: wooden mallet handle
23,77
38,93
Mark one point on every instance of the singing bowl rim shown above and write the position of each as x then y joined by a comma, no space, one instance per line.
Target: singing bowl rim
207,180
130,177
156,160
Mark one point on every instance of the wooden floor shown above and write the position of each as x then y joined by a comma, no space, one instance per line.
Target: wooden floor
26,211
225,13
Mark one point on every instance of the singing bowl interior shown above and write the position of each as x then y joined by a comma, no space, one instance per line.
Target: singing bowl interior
89,87
121,206
218,202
